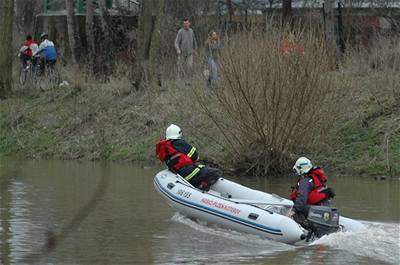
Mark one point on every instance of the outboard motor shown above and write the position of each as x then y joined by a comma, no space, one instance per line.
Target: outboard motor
322,220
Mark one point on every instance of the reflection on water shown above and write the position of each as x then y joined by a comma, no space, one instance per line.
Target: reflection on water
131,224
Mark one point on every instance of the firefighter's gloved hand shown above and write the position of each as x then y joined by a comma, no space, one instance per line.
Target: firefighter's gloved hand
204,185
330,192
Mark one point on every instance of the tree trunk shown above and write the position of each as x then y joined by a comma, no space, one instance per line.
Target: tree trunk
329,20
286,10
143,42
6,46
69,4
155,43
89,31
103,17
230,10
330,26
146,29
103,62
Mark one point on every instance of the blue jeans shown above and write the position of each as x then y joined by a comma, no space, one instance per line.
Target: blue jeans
213,67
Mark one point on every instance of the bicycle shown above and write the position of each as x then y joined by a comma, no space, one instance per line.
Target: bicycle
29,72
47,75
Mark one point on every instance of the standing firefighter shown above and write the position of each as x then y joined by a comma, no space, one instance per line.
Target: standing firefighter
310,189
181,158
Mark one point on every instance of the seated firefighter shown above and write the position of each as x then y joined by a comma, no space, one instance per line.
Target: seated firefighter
310,189
181,158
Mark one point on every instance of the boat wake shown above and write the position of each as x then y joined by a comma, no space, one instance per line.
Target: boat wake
379,242
243,238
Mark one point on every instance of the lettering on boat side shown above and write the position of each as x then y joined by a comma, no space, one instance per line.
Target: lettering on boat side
183,193
220,206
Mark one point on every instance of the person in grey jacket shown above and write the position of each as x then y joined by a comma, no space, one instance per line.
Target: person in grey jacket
185,46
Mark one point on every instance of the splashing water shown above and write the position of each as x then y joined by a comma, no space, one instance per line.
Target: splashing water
377,244
380,241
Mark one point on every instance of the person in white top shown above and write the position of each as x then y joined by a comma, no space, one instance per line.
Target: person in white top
27,50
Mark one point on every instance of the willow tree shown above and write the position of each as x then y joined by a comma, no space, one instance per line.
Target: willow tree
6,54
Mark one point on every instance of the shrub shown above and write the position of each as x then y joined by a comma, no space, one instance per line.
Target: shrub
273,106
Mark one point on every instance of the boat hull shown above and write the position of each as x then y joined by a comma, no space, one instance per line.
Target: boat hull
237,207
225,212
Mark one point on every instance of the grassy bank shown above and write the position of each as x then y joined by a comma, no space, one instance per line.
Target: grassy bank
269,109
109,121
366,135
115,122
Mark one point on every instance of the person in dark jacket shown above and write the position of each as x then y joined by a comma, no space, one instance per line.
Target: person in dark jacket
311,189
181,158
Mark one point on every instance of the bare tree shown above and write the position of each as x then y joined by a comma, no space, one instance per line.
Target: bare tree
155,44
286,10
24,17
6,36
103,62
330,24
231,11
144,39
69,4
103,17
89,30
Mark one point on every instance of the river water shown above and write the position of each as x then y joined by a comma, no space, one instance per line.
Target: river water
68,212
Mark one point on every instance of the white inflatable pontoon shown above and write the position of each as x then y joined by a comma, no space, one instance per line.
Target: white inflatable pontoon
237,207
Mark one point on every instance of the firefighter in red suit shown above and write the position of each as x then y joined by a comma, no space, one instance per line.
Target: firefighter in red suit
311,189
181,158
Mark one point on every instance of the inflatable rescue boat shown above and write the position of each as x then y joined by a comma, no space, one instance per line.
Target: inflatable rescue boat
234,206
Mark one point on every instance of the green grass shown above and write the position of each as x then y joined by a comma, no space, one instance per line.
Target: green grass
363,149
99,124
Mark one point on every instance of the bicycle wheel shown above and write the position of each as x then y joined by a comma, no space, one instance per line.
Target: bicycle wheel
53,76
38,78
23,74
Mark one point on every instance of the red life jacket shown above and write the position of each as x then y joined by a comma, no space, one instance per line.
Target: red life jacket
174,159
316,195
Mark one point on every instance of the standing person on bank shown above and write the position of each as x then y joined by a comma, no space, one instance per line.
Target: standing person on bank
185,46
212,51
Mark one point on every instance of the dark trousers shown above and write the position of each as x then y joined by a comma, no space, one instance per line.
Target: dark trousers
24,58
206,178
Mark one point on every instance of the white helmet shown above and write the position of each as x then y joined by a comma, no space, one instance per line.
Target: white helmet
303,165
173,132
